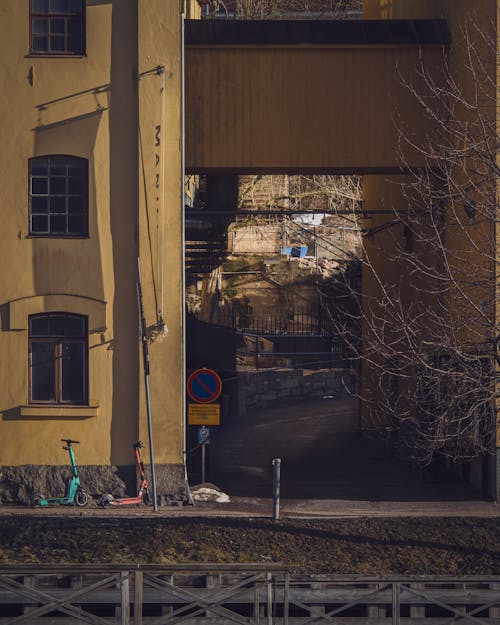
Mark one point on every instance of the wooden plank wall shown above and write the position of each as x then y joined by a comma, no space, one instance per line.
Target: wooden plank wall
304,109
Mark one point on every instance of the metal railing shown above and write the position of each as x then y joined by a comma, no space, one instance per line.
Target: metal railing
200,594
299,320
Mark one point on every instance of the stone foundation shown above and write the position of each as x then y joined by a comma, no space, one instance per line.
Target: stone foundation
18,485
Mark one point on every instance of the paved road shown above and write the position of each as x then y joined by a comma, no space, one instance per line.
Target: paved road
323,457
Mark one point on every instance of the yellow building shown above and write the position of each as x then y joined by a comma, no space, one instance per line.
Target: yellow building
92,166
91,175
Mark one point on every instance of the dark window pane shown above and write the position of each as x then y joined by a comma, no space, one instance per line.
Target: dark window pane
76,167
57,6
40,26
39,166
75,204
64,191
40,44
75,186
39,223
76,225
39,6
39,326
43,372
75,6
73,372
57,186
75,28
39,204
75,45
58,166
57,43
75,327
39,186
56,27
58,205
57,224
57,323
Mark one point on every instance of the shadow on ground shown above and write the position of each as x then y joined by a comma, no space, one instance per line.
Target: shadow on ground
323,457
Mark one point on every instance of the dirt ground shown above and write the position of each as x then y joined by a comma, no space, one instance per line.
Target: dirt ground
416,546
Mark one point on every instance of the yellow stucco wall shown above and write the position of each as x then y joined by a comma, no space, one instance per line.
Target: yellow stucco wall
91,107
160,45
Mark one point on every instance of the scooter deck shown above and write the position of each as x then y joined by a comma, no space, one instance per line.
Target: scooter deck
128,501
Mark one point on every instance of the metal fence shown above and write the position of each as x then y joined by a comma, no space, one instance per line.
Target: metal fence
316,352
245,594
299,320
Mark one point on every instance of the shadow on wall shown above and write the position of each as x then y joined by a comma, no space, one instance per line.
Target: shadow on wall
78,267
124,192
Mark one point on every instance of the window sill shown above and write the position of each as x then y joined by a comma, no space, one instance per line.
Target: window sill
63,411
58,236
45,55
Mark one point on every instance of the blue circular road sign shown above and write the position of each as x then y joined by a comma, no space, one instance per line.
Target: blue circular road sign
204,386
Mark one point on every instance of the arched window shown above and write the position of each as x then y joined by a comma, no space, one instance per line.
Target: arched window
58,356
58,196
57,27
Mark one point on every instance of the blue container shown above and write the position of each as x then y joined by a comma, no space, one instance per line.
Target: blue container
296,251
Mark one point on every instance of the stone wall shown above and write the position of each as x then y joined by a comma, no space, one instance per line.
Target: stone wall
20,484
263,389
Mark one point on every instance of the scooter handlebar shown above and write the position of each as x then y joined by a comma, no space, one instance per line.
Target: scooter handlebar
68,440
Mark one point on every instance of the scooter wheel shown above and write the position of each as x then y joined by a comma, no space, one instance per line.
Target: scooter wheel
35,502
81,498
146,499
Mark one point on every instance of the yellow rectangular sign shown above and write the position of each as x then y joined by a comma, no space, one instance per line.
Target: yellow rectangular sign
204,414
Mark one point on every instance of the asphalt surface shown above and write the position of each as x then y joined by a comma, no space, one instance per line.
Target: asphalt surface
289,508
323,457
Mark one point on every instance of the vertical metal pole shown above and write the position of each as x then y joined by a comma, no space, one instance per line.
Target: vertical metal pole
276,488
145,357
203,459
189,496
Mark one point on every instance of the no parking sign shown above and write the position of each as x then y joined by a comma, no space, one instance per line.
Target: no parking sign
204,386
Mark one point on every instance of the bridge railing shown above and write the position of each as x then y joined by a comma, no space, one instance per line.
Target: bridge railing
205,594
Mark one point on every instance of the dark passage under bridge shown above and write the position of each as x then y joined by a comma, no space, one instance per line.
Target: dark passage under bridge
228,594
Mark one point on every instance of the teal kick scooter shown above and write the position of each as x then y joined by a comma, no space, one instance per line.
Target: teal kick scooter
75,495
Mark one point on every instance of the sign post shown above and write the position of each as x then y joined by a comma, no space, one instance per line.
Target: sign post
203,440
204,386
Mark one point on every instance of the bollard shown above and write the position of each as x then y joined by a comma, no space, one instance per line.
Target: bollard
276,488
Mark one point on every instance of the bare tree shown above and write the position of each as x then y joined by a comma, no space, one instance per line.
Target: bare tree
284,9
429,356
